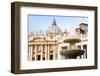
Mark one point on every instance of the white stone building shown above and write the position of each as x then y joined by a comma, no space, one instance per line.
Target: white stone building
47,45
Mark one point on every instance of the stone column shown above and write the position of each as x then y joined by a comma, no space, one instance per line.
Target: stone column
41,49
31,49
54,52
56,49
46,55
82,56
81,43
35,51
48,51
85,53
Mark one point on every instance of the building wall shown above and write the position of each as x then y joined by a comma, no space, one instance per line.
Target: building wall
47,46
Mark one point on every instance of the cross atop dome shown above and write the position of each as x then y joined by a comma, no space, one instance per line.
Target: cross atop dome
54,22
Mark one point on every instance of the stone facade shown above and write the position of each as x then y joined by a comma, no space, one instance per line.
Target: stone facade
47,45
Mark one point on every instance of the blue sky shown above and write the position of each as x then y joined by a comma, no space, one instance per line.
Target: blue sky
37,23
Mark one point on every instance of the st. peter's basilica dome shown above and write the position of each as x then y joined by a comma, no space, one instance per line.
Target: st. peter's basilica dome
54,28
